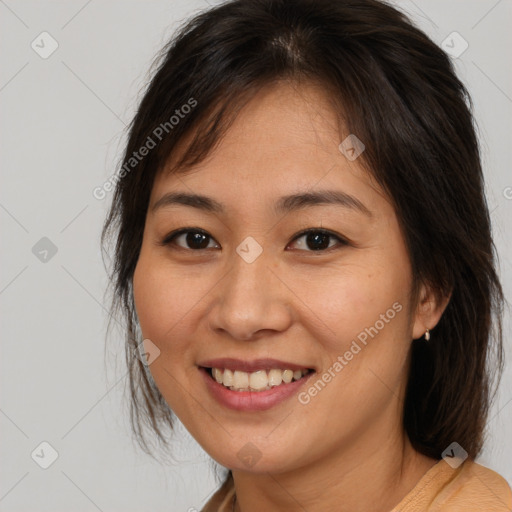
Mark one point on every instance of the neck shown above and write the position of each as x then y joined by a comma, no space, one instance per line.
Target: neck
372,474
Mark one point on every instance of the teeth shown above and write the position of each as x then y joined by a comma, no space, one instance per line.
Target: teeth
227,378
256,381
275,377
217,375
287,376
240,380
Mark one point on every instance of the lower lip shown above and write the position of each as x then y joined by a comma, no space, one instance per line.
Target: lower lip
252,400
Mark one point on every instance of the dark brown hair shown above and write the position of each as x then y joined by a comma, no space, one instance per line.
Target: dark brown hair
398,92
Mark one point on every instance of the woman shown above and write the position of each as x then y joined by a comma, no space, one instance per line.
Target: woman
304,259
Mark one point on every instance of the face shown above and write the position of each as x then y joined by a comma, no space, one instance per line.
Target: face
243,289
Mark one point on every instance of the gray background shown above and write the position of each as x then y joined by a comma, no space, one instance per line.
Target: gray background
62,125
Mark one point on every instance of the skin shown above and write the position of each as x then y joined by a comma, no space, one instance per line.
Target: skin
292,303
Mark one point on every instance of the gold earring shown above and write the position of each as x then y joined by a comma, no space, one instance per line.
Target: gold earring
427,334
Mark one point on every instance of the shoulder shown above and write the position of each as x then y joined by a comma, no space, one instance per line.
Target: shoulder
469,487
477,487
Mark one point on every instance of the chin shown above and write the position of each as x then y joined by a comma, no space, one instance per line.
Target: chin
255,457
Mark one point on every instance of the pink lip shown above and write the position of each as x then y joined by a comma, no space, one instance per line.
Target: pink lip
250,366
252,400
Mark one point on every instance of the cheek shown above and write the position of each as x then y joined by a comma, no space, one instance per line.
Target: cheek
366,309
162,304
169,304
354,297
366,345
159,298
147,295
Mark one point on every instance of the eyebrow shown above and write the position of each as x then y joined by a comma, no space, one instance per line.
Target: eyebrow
284,204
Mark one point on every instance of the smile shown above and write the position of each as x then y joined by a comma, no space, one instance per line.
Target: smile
260,380
255,385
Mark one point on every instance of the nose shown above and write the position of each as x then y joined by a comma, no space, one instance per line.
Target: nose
251,301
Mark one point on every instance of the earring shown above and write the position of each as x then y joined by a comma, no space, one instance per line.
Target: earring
427,334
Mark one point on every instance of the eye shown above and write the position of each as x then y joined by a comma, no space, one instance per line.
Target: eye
310,240
317,240
192,238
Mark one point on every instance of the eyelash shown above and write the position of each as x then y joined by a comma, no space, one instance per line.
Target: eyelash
171,237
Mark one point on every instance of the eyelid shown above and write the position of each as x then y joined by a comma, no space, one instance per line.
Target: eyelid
342,240
180,231
170,237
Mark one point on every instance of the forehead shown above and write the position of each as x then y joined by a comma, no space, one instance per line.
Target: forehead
284,140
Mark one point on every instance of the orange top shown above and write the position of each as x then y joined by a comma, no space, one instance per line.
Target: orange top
469,488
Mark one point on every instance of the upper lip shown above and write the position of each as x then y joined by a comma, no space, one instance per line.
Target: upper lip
253,365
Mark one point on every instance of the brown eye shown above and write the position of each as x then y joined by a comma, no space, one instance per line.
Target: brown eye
192,239
311,240
317,240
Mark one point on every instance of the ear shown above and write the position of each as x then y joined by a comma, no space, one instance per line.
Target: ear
429,310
